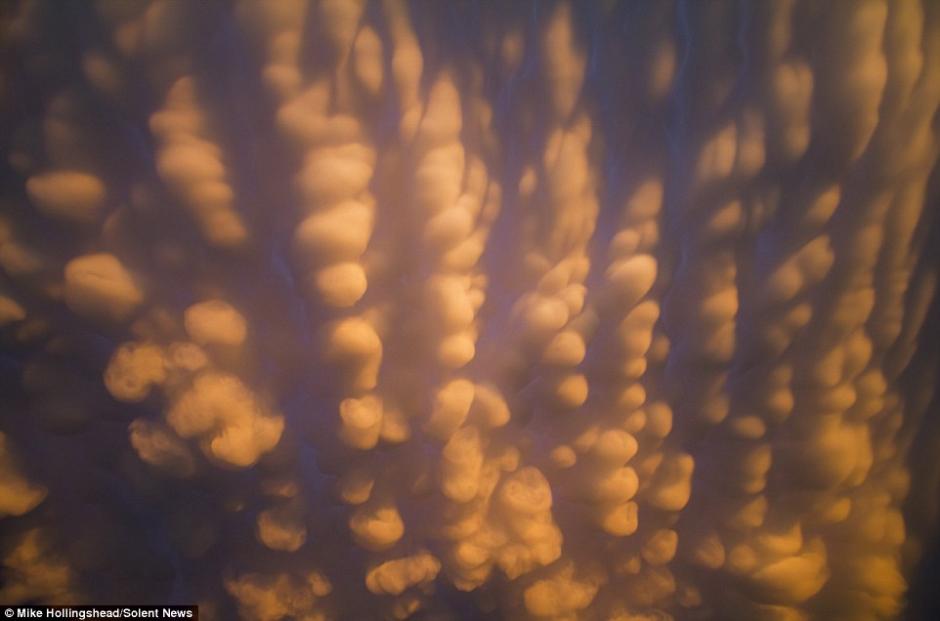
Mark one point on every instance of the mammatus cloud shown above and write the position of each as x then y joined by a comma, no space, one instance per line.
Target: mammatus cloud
349,309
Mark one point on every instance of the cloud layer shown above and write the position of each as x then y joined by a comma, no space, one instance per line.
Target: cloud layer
348,309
